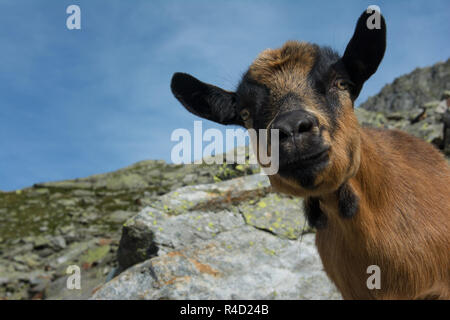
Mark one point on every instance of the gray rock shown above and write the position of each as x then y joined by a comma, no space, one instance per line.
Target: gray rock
41,242
277,214
120,216
427,122
412,90
211,195
159,225
30,260
83,193
68,202
239,264
128,181
229,240
73,251
59,242
3,281
445,95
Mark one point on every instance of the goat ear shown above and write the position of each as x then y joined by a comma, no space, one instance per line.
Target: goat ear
205,100
366,48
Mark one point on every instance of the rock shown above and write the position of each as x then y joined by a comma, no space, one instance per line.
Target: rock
220,194
30,260
58,242
277,214
243,263
412,90
396,116
37,291
138,234
120,216
189,178
129,181
370,118
36,192
68,202
83,193
40,242
233,239
72,252
45,252
136,245
426,123
431,104
445,95
442,107
94,255
3,281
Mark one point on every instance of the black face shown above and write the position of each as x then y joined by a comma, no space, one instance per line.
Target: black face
303,153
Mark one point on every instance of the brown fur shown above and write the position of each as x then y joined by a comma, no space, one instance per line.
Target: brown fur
402,225
378,197
285,70
403,186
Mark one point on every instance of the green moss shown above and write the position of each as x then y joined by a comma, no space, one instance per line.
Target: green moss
269,251
96,254
262,204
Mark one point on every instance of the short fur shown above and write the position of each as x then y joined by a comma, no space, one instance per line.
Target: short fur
376,197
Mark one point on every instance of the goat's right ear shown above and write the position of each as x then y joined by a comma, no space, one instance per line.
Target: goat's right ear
366,49
205,100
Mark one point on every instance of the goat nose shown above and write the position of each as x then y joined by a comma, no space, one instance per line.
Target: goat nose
304,125
293,124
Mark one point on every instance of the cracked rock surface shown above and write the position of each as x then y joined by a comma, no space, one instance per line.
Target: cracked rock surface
231,240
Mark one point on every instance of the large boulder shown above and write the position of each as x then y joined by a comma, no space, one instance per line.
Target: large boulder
230,240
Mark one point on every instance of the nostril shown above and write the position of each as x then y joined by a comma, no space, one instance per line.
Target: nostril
304,125
291,125
283,135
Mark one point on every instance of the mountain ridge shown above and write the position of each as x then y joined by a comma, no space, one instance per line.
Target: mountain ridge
411,90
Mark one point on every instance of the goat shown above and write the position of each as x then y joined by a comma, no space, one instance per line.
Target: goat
376,197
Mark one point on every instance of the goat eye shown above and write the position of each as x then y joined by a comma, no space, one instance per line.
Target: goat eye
342,84
245,114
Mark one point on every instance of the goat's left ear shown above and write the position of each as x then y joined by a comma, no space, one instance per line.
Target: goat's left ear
366,49
205,100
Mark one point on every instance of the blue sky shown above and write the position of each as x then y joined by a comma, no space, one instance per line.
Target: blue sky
80,102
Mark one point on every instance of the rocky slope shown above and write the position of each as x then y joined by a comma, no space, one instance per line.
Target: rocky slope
195,231
429,121
49,226
412,90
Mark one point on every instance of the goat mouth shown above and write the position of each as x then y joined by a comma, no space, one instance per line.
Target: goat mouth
312,159
305,168
314,155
